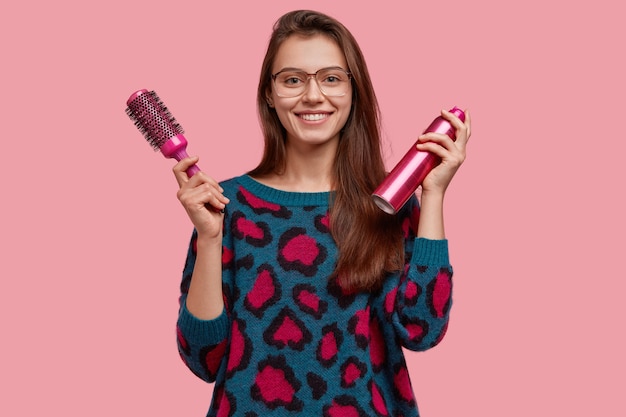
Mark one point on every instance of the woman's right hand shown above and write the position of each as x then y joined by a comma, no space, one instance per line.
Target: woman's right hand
202,198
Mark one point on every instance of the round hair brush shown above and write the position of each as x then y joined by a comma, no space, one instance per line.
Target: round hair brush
158,126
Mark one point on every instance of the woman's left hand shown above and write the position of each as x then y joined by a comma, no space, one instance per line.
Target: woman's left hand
451,153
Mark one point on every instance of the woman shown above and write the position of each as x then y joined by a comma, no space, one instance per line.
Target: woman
298,293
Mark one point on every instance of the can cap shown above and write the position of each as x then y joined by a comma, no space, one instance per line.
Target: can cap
458,113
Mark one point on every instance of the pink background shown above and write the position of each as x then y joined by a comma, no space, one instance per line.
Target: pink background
93,238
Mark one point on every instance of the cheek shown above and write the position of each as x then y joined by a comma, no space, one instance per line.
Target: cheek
345,113
283,115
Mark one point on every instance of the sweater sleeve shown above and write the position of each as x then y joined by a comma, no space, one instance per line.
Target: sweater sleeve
201,343
418,303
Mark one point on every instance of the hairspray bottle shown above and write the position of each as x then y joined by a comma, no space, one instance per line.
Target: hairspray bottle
408,174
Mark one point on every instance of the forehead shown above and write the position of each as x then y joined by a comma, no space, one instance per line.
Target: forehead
309,53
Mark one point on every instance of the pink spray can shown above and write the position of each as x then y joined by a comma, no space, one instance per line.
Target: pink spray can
408,174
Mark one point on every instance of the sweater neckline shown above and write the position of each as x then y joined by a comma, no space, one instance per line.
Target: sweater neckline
285,198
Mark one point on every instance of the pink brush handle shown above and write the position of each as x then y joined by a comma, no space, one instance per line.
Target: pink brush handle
176,147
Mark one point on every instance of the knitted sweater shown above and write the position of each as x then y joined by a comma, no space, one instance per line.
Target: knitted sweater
291,342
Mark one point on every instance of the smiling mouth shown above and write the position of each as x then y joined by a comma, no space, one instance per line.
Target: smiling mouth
312,117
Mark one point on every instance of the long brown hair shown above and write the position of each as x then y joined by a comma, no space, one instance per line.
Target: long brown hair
369,241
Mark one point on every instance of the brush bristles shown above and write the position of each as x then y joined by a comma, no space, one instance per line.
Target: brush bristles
153,119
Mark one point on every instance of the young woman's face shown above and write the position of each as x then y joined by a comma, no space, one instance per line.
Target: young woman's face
311,118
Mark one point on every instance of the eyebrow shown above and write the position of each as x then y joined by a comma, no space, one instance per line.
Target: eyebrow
301,70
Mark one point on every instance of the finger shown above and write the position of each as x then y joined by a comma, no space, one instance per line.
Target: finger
464,132
201,179
440,139
433,148
211,194
452,118
217,201
180,169
202,197
468,123
453,157
440,144
462,128
214,192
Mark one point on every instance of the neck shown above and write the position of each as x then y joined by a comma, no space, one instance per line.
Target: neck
308,169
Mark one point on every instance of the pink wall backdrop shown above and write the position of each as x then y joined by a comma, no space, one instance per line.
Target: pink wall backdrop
93,238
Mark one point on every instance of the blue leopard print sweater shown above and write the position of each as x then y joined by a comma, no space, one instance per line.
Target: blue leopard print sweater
291,342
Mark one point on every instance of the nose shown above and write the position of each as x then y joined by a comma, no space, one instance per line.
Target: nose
312,91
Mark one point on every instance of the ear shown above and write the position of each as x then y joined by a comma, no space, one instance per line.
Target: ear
268,97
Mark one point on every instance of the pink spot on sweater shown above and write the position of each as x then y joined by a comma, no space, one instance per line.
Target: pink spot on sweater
403,384
442,291
288,332
309,299
227,255
273,385
337,410
237,347
225,406
377,345
362,324
415,330
181,339
378,401
301,248
256,202
390,300
262,291
411,291
249,228
351,374
325,221
213,357
406,227
329,346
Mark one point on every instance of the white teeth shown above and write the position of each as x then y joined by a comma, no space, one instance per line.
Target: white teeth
313,117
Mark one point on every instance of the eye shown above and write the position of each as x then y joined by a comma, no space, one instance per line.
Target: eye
291,79
333,77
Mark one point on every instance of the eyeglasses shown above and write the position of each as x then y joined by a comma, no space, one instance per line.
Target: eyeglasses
333,82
